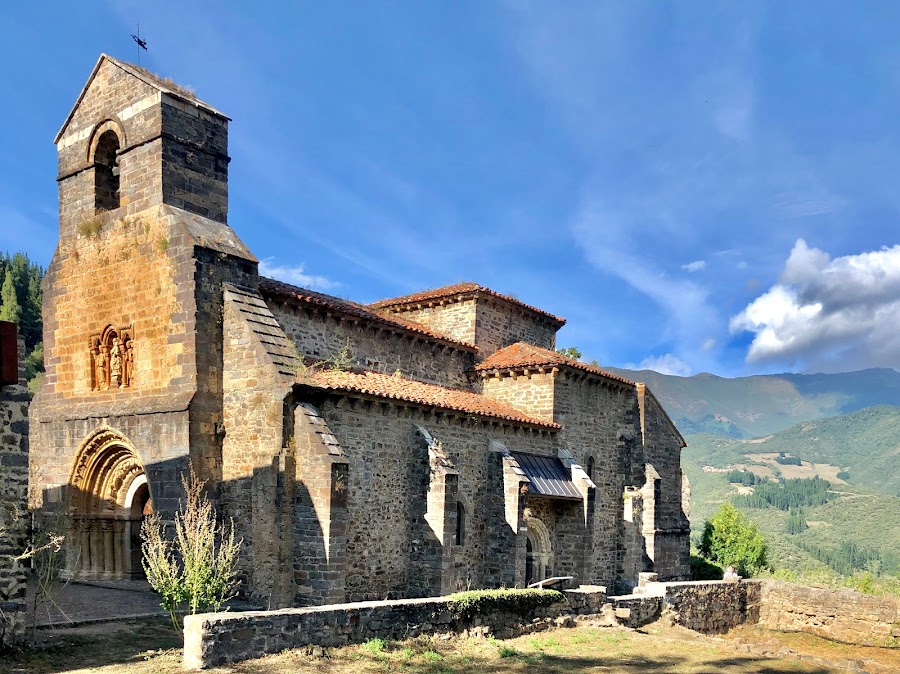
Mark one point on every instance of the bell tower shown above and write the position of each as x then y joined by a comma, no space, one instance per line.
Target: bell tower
134,140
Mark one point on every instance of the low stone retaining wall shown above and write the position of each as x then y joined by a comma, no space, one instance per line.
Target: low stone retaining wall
840,615
712,607
635,610
217,638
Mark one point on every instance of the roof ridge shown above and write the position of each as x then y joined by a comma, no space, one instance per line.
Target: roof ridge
541,356
398,387
145,76
362,311
456,289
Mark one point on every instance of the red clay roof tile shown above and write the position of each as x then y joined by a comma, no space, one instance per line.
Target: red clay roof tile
520,355
456,290
268,286
399,388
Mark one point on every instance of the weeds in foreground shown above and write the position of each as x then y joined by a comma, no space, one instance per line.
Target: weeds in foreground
198,567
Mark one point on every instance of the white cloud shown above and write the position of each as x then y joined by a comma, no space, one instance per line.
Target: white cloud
294,275
708,344
829,314
665,364
696,265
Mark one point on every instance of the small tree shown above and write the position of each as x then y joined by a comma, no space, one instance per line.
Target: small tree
198,567
731,539
571,352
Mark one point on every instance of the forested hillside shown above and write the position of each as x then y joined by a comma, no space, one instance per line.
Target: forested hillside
864,447
20,302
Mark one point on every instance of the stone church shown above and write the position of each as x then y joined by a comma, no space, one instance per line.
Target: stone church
409,447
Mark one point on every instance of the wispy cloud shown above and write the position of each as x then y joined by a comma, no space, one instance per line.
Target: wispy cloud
696,265
665,364
829,314
295,274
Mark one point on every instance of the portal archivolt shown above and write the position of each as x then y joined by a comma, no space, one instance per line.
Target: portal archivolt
108,498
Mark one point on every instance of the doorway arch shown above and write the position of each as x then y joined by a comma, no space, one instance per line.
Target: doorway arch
538,551
109,496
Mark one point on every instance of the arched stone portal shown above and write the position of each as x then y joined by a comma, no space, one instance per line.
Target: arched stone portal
538,551
108,498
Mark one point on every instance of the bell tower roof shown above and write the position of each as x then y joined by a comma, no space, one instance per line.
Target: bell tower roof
163,85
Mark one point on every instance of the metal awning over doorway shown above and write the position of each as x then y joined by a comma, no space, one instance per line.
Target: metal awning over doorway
548,475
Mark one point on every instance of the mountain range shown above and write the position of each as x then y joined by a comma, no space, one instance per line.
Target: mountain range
750,407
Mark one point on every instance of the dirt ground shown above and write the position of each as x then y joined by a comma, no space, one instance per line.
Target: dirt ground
150,646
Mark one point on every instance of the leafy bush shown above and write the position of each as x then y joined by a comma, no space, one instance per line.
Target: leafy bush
519,602
731,539
702,569
843,475
198,567
788,460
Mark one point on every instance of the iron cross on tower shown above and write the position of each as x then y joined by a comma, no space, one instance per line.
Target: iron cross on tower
141,43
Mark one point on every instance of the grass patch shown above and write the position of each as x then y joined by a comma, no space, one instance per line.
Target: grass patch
375,645
148,647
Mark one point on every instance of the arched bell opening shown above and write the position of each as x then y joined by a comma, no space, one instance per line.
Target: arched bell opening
106,171
109,498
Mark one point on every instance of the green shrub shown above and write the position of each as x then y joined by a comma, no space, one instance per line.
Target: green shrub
519,602
198,567
730,538
702,569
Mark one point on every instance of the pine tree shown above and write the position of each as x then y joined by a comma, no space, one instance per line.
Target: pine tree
32,323
9,303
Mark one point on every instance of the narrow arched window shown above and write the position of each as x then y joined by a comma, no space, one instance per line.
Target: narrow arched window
106,172
460,523
590,468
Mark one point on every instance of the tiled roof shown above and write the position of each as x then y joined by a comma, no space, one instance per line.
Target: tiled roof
430,395
521,355
268,286
456,290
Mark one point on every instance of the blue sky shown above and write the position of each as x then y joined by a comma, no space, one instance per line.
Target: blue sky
695,186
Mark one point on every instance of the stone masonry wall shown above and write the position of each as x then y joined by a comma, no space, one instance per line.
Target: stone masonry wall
318,338
253,392
499,323
195,160
489,323
387,493
532,394
668,531
135,109
454,319
218,638
712,607
840,615
14,400
599,421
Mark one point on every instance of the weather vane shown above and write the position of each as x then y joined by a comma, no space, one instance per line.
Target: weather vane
141,43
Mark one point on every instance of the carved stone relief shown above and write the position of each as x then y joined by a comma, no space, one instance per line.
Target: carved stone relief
112,358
